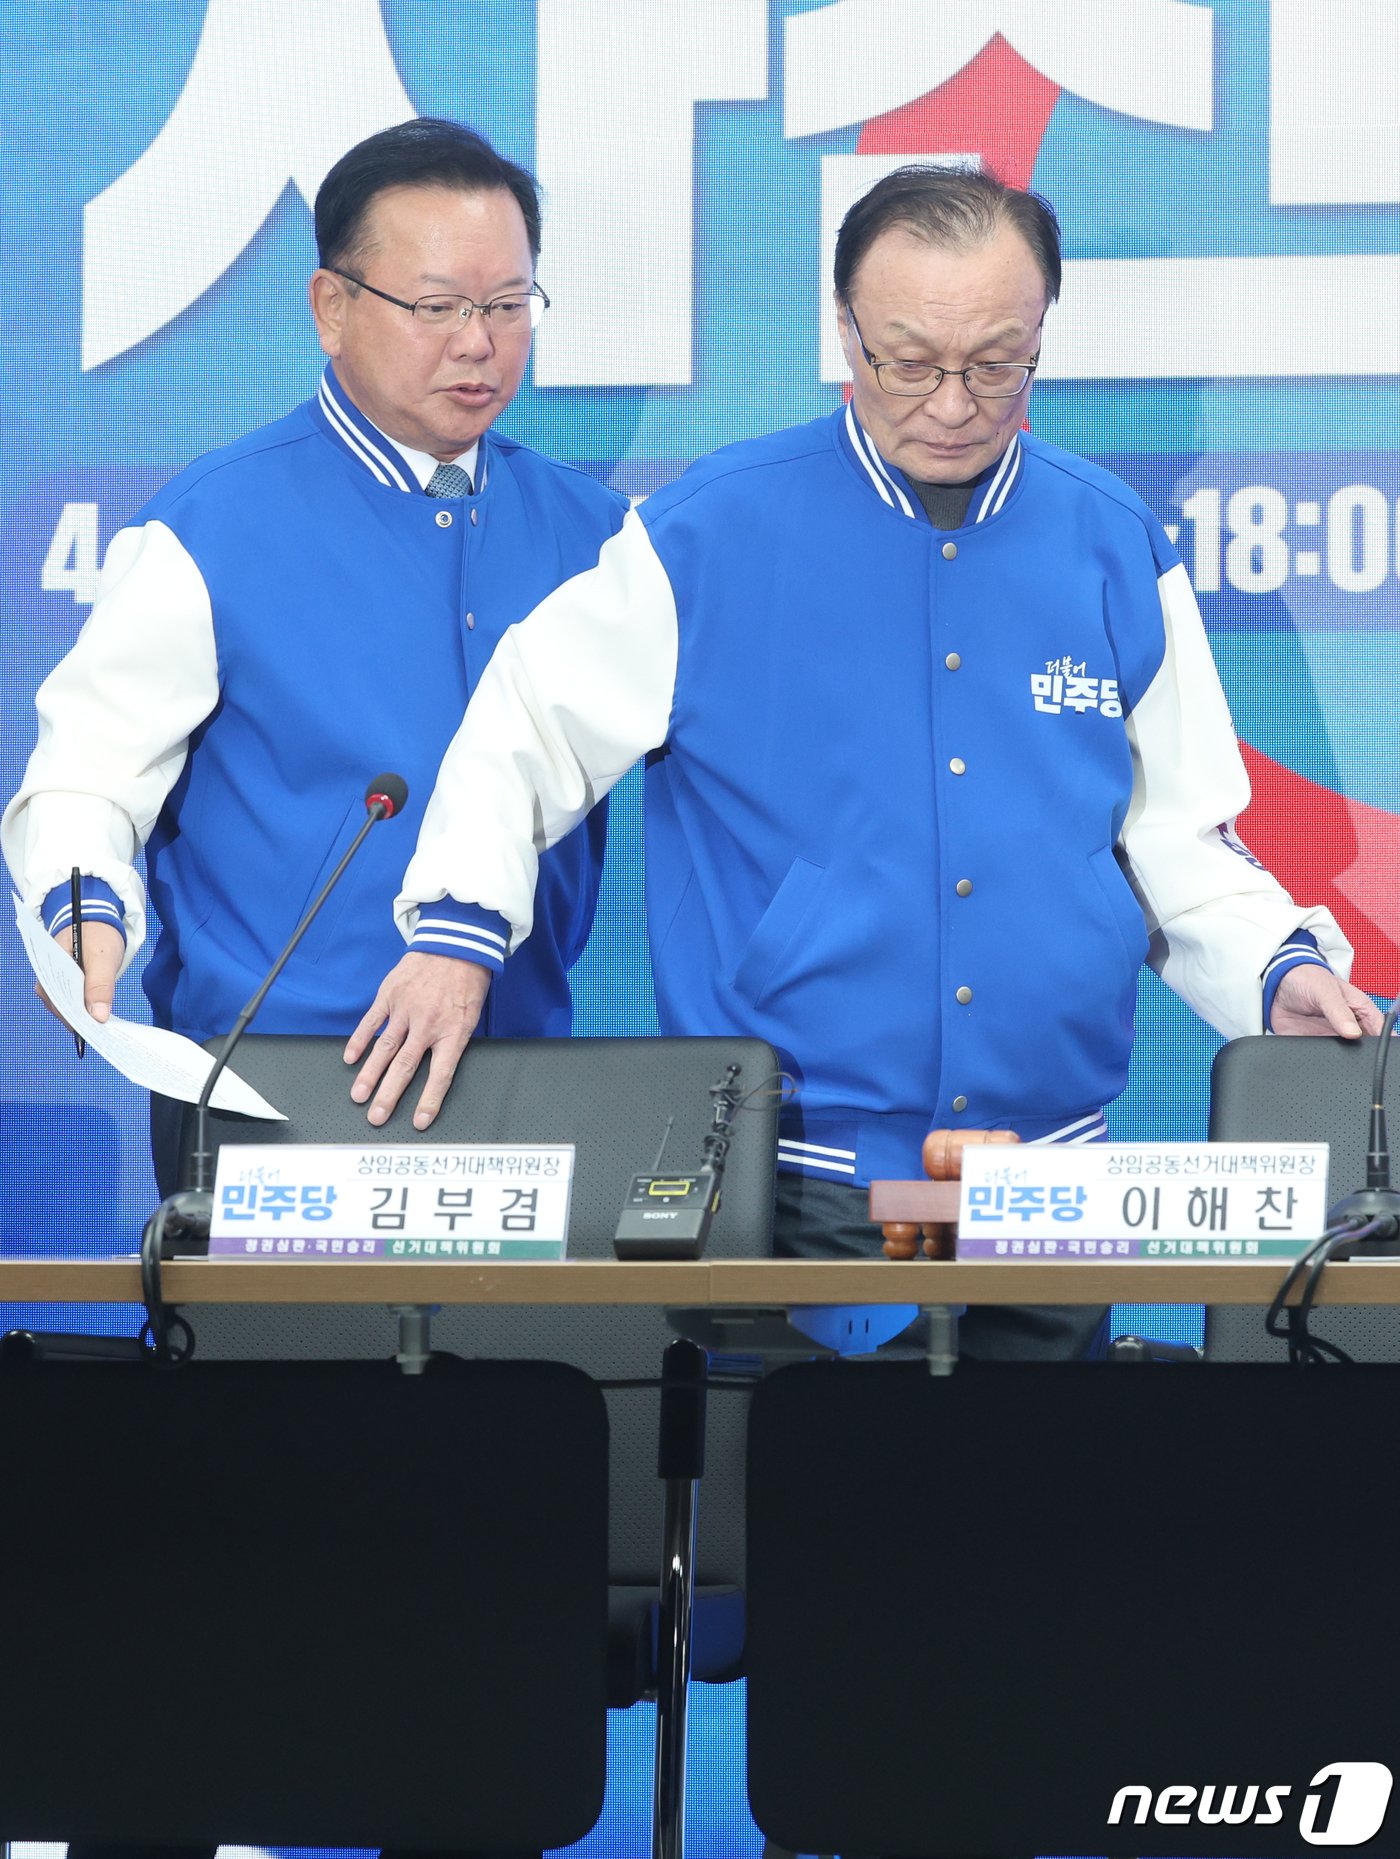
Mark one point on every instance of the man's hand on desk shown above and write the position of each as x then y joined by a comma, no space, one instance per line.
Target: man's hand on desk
103,949
428,1003
1311,999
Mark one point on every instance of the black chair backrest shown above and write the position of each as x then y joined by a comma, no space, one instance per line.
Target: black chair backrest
303,1603
1270,1089
946,1572
612,1099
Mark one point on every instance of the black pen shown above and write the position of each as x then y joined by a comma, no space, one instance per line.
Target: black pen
75,898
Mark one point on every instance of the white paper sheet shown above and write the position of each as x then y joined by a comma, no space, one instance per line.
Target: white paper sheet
148,1055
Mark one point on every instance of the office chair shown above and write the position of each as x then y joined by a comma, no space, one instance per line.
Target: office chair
612,1098
945,1579
302,1603
1278,1089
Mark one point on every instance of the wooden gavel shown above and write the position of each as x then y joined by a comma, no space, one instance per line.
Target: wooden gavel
943,1150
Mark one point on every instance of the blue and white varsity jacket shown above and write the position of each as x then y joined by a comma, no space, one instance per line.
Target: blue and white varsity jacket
920,803
289,617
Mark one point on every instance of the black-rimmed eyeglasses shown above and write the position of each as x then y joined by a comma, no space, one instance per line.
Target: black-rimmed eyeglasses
984,380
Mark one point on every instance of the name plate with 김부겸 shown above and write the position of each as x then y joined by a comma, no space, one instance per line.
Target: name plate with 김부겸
441,1201
1196,1201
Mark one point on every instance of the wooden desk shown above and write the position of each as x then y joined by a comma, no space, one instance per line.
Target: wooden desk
726,1283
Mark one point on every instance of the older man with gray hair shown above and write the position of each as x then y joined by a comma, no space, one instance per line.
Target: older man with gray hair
937,752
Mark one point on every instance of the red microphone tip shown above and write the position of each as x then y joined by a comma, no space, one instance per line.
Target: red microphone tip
388,792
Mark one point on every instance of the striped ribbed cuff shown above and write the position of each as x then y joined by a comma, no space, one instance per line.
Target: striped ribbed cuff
464,930
1300,950
100,904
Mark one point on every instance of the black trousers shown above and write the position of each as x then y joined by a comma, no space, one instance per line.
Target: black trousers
167,1114
830,1220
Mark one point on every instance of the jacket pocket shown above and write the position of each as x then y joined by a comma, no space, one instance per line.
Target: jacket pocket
770,954
310,947
1124,909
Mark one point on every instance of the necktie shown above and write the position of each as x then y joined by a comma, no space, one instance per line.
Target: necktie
449,481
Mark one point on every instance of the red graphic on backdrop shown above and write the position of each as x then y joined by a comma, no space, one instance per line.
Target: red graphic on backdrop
997,107
1333,851
1324,848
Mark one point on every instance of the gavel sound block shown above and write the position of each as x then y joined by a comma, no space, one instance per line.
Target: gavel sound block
906,1209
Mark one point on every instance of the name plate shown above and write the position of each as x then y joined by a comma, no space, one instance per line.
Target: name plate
1196,1201
474,1201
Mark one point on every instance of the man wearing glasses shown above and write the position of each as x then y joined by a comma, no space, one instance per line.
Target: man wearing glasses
310,605
939,755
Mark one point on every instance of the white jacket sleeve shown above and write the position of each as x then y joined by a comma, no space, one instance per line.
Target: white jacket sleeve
115,717
572,697
1214,915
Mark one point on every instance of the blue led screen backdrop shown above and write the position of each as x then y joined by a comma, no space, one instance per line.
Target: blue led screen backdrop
1228,180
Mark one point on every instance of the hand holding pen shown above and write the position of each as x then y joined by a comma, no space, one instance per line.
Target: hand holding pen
98,948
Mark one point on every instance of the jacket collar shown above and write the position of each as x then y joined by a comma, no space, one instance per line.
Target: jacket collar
371,449
990,492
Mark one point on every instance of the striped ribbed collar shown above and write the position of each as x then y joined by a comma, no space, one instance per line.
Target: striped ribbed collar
988,496
371,448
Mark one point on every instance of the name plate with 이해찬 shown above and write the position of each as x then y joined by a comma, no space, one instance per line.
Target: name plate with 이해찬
439,1201
1161,1201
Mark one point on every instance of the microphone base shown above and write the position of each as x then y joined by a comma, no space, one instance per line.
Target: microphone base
185,1224
1369,1204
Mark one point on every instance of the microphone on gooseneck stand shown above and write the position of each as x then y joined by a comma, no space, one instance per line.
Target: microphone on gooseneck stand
1377,1204
182,1222
1361,1225
384,797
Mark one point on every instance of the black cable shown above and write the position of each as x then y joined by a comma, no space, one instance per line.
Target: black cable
1305,1304
715,1146
170,1336
785,1093
726,1104
1304,1349
1320,1247
1343,1229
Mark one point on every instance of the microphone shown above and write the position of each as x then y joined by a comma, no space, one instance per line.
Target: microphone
385,796
1377,1204
686,1203
184,1219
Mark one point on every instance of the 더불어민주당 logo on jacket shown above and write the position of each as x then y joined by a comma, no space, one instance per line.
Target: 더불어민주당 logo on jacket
1063,686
